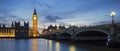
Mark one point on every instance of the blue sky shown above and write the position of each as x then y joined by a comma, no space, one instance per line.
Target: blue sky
60,12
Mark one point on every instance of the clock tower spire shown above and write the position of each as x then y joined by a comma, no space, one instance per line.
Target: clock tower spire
34,23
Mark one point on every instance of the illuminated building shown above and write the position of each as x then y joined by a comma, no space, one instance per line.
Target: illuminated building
34,24
15,31
18,31
7,31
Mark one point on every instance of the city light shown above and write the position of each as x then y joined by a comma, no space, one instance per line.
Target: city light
50,30
34,18
72,24
8,33
112,13
57,46
72,48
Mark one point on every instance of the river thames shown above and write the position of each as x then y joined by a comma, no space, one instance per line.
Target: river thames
48,45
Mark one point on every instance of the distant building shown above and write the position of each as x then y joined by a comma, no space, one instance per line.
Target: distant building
52,28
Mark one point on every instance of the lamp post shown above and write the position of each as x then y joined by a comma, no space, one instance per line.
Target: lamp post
112,37
113,25
112,15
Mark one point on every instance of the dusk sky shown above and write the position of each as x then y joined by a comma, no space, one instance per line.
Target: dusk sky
64,12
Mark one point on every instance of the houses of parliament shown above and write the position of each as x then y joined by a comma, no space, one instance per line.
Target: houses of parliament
16,30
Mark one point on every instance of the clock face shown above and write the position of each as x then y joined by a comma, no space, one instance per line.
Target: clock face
34,18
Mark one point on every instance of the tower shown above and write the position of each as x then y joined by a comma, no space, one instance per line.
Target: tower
21,31
35,23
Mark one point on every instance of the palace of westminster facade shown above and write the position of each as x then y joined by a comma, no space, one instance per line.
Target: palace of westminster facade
18,31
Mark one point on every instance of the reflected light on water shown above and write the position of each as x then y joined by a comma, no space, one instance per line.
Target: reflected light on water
34,45
7,39
72,48
57,46
50,45
46,42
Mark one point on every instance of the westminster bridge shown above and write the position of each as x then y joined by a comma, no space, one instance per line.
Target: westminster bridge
84,33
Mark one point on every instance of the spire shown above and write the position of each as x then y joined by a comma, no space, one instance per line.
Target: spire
35,11
12,24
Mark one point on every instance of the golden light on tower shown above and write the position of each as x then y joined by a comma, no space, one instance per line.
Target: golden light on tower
34,18
35,23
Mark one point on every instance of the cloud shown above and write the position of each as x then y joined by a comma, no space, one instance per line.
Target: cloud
102,22
9,18
1,17
47,5
51,18
40,4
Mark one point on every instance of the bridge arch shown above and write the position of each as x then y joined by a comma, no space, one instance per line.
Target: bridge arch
92,35
53,35
65,34
97,30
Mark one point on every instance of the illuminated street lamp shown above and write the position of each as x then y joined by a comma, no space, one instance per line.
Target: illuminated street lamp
113,25
112,15
50,30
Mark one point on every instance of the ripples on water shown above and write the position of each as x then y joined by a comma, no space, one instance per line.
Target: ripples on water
47,45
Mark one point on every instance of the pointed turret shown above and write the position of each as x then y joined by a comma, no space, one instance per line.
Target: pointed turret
35,13
12,25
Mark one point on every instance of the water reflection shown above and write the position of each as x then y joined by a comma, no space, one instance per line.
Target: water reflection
34,45
57,47
46,42
7,39
20,45
72,48
46,45
50,45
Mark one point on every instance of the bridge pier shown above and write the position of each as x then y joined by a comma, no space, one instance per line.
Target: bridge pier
72,38
113,43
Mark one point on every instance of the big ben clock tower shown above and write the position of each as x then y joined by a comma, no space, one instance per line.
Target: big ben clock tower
34,23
